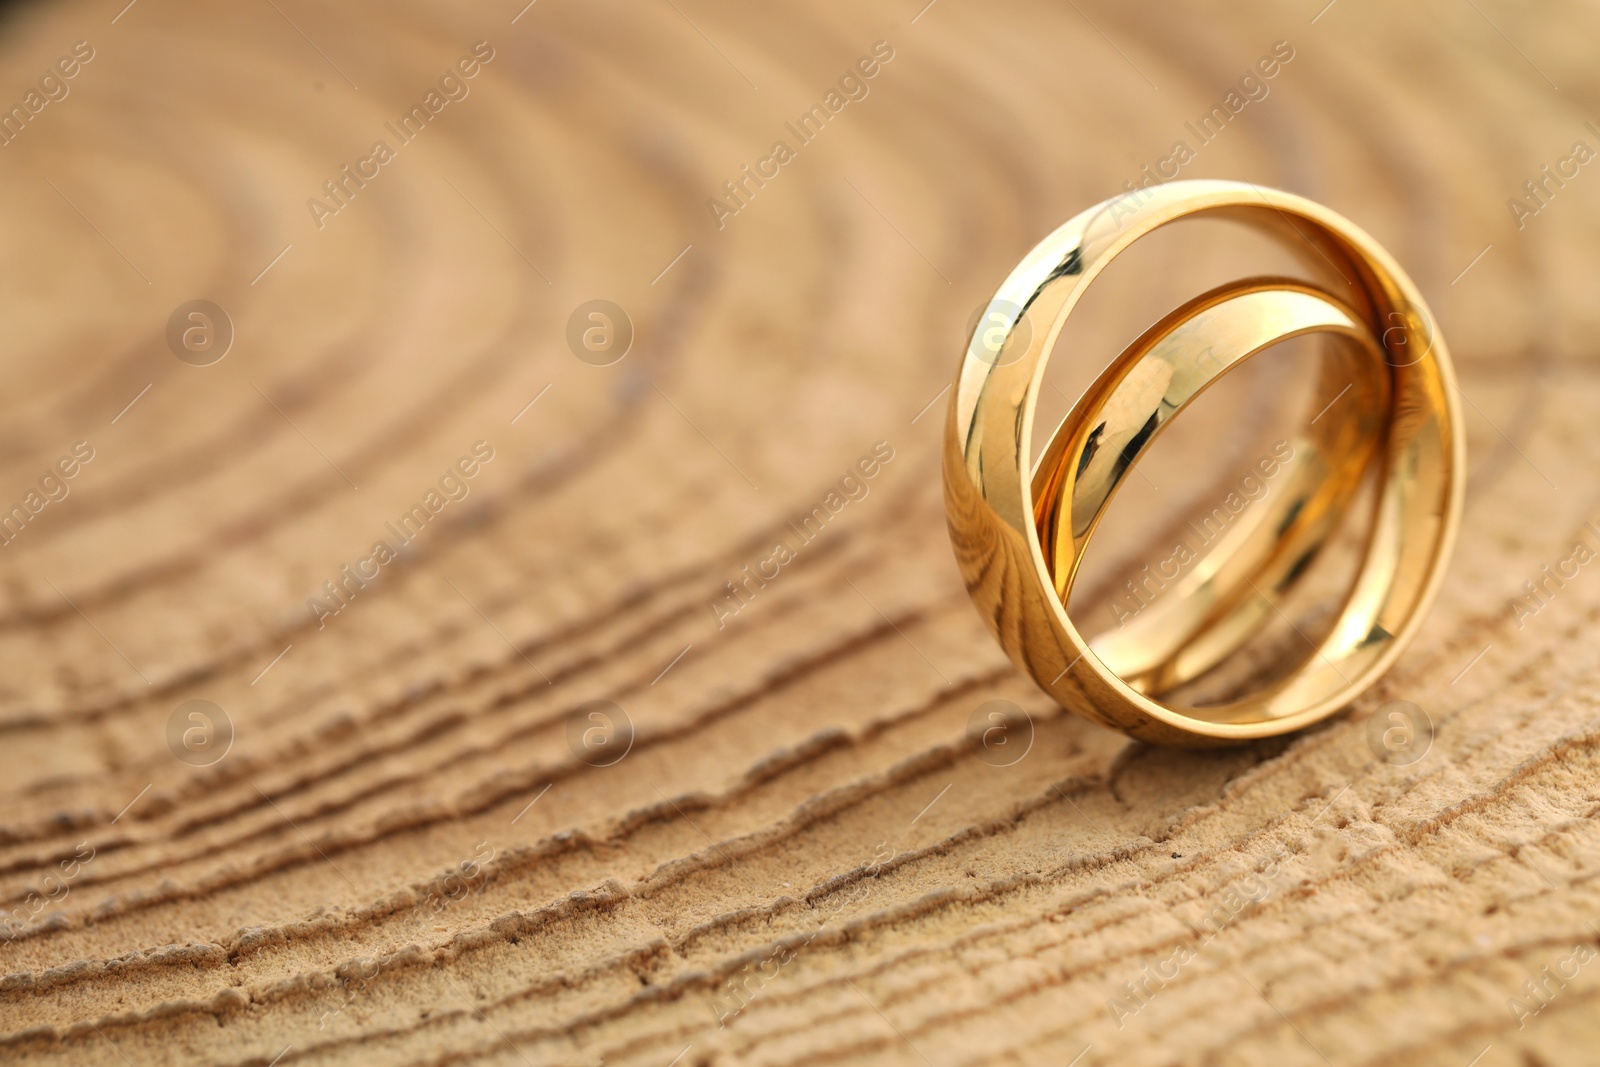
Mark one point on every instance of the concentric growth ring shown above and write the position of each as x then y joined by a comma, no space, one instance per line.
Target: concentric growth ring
1020,530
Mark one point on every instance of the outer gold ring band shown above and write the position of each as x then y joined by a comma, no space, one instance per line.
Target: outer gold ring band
1019,529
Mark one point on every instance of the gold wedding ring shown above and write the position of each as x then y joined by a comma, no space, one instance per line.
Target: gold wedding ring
1019,529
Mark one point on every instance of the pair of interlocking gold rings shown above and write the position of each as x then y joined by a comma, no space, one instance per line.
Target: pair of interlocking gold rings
1019,529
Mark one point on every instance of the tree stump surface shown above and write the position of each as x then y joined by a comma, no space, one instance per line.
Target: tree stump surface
402,831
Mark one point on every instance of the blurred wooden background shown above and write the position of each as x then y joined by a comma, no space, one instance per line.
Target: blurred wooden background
382,840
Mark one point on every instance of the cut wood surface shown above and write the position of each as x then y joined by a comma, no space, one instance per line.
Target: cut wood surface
550,777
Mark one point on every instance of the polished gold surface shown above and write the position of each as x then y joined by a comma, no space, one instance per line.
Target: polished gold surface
1214,607
1020,530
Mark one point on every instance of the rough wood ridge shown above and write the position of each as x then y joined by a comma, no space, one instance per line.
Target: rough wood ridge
401,831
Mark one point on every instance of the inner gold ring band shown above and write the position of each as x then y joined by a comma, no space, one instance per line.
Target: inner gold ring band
1224,598
1019,533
